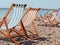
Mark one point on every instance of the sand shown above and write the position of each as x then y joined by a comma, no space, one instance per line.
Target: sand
52,35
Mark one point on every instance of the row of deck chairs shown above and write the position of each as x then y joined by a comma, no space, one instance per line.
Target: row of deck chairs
49,17
23,19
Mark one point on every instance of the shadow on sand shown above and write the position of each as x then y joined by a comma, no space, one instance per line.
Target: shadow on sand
37,40
28,42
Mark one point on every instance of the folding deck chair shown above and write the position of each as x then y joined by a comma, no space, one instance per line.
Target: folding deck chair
43,13
51,18
15,19
27,19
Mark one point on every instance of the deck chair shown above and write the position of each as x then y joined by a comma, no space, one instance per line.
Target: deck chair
15,19
52,17
27,19
43,13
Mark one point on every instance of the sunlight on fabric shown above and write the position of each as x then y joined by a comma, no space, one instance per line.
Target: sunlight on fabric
16,17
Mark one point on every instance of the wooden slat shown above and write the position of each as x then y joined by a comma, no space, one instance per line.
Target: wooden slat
7,14
25,13
35,30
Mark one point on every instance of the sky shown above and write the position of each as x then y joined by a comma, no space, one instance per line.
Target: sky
50,4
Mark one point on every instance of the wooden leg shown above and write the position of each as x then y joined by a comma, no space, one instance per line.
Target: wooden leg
23,29
35,31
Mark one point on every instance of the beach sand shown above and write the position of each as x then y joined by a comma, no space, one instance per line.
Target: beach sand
52,35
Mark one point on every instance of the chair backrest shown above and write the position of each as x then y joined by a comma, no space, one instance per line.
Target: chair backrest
42,12
58,16
16,16
30,16
54,14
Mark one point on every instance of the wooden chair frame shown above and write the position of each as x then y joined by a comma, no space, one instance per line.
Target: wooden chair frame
24,31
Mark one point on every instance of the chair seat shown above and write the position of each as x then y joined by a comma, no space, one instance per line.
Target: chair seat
15,19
